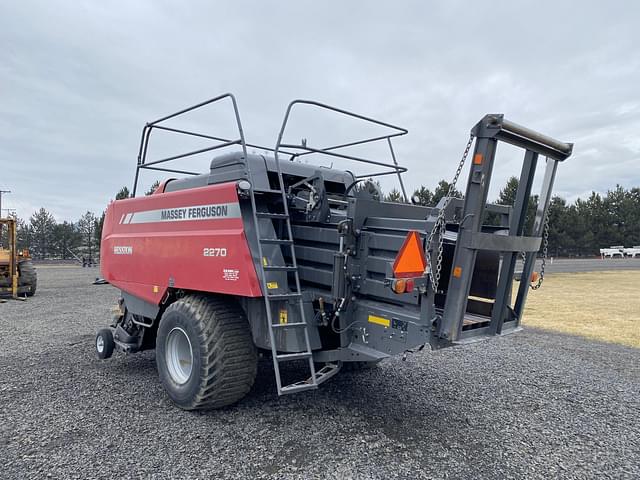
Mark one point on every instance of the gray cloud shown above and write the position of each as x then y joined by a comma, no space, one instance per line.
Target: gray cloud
78,81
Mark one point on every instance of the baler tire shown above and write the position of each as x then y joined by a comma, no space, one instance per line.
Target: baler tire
223,357
28,276
359,366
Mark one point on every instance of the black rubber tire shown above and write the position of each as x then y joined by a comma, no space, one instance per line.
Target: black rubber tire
358,366
28,276
107,343
225,359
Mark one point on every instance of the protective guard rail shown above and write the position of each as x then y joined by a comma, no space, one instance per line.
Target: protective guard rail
488,132
299,150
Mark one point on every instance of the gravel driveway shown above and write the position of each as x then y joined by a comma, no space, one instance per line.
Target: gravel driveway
533,405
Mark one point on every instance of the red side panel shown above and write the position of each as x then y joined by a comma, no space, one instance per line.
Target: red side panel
191,239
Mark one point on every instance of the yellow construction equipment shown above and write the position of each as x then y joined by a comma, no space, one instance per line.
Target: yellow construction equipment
18,276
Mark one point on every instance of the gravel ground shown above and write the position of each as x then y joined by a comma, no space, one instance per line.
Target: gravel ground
532,405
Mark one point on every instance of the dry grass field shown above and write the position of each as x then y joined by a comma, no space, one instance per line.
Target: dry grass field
598,305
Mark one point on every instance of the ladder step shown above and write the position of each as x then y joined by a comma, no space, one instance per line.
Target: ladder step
275,241
287,357
279,268
298,388
282,216
326,372
277,296
266,190
322,375
285,325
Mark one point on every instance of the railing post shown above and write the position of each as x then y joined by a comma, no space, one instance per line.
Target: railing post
516,228
538,230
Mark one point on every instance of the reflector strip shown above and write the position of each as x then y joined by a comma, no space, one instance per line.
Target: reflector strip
410,261
385,322
477,159
186,213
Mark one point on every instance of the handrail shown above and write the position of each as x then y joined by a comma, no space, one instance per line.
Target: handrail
148,128
291,150
394,168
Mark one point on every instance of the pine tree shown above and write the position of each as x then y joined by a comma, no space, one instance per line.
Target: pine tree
507,195
424,196
123,193
65,237
442,190
24,235
153,187
394,196
87,227
41,225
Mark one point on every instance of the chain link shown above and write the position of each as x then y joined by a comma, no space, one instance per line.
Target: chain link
440,225
545,247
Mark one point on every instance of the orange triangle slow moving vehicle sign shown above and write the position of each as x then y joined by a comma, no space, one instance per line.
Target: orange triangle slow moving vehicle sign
410,261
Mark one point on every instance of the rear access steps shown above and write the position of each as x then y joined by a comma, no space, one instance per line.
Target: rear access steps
284,238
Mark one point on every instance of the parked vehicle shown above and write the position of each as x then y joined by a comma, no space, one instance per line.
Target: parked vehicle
18,277
611,252
266,253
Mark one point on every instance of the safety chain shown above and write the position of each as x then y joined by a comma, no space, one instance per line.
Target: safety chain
545,247
440,226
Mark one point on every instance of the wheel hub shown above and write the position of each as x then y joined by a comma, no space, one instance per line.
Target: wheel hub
179,356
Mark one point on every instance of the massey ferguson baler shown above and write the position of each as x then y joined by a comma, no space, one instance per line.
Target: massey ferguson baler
272,254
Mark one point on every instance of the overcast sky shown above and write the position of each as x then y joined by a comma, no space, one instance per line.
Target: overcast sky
79,79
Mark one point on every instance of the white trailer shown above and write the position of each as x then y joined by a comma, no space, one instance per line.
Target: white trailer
632,252
612,252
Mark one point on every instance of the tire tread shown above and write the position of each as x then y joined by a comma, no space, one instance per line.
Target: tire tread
229,356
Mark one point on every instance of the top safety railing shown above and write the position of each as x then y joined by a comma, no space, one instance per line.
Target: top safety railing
158,125
293,151
334,150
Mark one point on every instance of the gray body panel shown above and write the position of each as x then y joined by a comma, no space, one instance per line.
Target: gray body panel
341,244
379,230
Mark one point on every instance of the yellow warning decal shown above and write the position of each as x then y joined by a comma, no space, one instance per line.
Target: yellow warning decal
283,317
272,285
385,322
265,262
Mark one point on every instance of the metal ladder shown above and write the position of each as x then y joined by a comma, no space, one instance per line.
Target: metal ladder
285,239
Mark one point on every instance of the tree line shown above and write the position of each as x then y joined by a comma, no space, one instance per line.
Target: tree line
45,238
578,228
